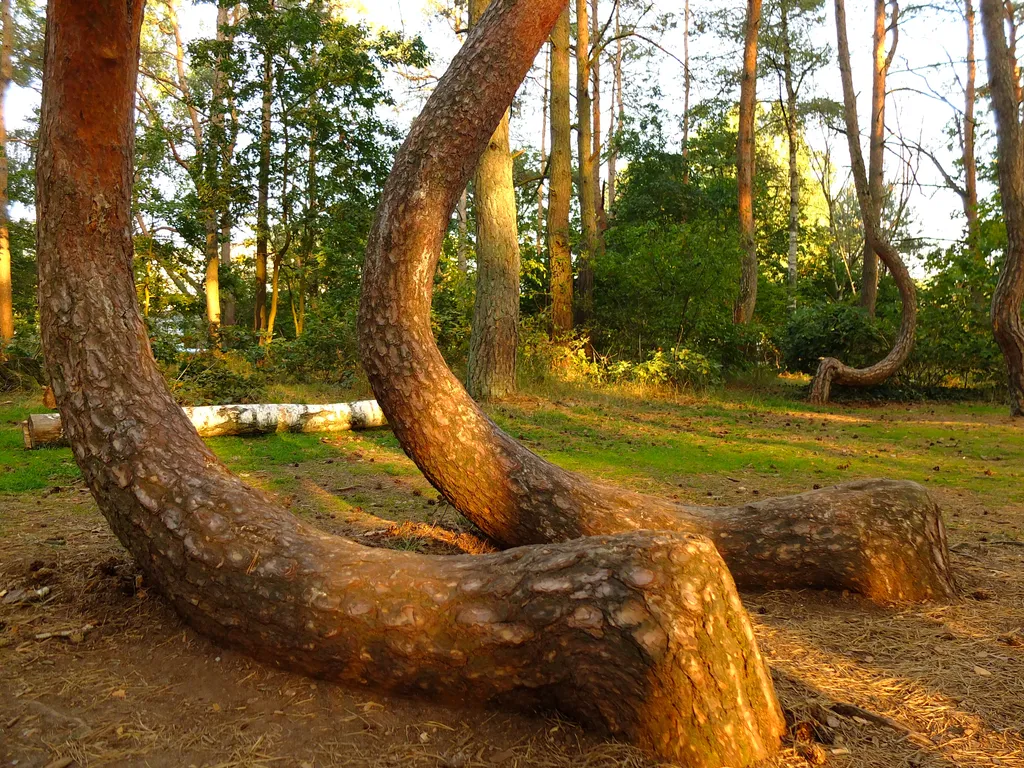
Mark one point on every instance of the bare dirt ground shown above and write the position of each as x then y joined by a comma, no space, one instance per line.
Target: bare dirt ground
127,684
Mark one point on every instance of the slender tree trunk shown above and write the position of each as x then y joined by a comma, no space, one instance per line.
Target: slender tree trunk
831,370
6,287
876,158
221,101
463,216
595,108
587,187
617,115
543,156
494,340
686,92
263,198
883,539
560,181
970,160
641,635
1007,324
792,137
275,295
745,147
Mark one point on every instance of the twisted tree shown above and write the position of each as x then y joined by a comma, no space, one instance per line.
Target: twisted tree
830,370
641,635
883,539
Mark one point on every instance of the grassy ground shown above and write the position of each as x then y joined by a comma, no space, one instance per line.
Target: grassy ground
950,676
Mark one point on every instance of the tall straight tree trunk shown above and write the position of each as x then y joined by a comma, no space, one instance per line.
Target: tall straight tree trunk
560,181
745,146
876,156
617,117
263,199
462,212
641,635
227,36
543,156
595,108
587,186
831,370
215,140
1007,324
970,160
493,342
686,92
6,287
792,137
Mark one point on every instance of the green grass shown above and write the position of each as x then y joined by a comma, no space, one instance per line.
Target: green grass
772,444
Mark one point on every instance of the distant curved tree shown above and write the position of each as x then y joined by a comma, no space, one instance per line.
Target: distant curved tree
883,539
640,635
832,371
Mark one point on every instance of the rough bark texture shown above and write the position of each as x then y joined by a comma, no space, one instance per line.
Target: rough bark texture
745,145
1006,301
494,340
880,538
587,187
832,371
46,429
6,287
641,635
560,181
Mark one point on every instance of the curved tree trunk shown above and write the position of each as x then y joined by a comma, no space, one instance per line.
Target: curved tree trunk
640,635
560,187
883,539
1007,324
832,371
494,340
745,150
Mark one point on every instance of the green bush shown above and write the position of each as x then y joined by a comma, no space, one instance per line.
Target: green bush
327,351
206,378
832,330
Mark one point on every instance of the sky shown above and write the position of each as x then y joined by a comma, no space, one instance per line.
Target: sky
928,43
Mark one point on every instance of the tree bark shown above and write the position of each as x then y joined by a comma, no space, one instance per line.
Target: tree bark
640,635
263,198
44,430
745,146
882,539
686,93
832,371
494,339
1007,324
560,181
876,156
792,138
6,286
595,139
587,187
970,159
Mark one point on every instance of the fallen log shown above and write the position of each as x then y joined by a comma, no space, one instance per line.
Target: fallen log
45,429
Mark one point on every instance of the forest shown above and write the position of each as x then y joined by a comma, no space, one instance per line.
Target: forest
511,382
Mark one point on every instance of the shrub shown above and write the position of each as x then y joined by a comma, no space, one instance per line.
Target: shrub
832,330
206,378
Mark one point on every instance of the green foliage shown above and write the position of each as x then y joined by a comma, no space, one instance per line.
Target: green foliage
832,330
326,352
206,378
